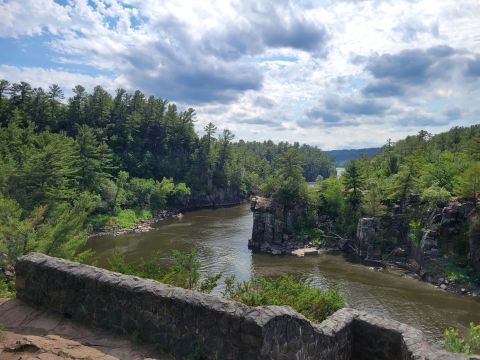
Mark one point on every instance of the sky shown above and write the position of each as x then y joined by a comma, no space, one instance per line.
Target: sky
336,74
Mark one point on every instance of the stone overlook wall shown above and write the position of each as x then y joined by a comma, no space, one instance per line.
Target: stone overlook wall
186,322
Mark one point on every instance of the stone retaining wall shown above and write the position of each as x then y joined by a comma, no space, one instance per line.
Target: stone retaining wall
190,323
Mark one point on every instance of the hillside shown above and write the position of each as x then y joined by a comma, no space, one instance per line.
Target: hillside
343,156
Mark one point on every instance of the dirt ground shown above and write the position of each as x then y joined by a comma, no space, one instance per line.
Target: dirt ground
30,333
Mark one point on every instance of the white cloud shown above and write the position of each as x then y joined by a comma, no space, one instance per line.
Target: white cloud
41,77
222,56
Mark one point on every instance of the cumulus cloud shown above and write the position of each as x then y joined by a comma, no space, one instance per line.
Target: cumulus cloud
40,77
413,66
169,53
327,71
473,67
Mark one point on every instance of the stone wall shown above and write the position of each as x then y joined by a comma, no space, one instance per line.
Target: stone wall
186,322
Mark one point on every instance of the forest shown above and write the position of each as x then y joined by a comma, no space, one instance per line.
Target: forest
405,190
70,165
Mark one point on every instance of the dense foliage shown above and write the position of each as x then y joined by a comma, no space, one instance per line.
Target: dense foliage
431,168
184,271
314,303
102,160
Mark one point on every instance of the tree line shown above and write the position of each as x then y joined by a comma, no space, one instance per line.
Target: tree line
411,178
96,159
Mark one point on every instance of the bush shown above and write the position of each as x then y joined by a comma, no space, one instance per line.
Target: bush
314,303
415,232
123,219
7,289
470,344
184,271
436,196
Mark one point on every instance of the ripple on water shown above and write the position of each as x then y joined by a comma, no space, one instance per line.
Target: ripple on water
220,237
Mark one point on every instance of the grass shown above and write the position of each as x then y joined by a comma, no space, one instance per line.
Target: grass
312,302
461,275
7,289
453,341
123,219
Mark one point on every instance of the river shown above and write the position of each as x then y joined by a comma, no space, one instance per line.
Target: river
220,238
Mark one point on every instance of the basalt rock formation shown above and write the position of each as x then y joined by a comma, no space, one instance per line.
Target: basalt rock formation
272,225
444,230
215,198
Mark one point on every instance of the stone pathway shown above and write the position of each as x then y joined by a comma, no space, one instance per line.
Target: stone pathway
30,333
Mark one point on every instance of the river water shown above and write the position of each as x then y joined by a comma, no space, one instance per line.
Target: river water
220,238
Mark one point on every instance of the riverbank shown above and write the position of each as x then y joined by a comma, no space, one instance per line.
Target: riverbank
402,269
147,225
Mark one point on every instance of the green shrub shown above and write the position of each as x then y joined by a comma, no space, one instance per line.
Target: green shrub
314,303
415,232
184,272
470,344
123,219
436,196
7,289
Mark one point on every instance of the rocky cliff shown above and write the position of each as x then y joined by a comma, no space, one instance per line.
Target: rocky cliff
272,225
446,233
217,197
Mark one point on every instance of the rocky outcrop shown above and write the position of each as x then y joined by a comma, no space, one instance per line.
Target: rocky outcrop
474,242
272,226
190,323
364,243
443,228
215,198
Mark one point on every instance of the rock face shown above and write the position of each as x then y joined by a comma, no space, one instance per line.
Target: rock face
371,232
474,243
187,322
365,238
272,224
218,197
443,226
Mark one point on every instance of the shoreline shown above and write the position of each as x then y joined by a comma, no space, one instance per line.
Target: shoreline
146,225
400,269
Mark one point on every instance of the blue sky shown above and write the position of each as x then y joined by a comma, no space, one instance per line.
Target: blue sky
338,74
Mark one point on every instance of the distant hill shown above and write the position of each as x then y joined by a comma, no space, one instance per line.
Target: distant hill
341,157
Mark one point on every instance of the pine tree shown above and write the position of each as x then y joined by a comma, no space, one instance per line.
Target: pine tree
94,160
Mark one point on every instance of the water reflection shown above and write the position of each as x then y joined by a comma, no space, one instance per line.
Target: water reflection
220,238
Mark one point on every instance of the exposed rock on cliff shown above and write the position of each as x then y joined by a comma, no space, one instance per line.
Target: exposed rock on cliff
474,242
218,197
272,224
445,229
365,239
447,233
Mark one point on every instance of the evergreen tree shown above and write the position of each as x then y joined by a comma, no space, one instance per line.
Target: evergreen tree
468,183
94,160
354,182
